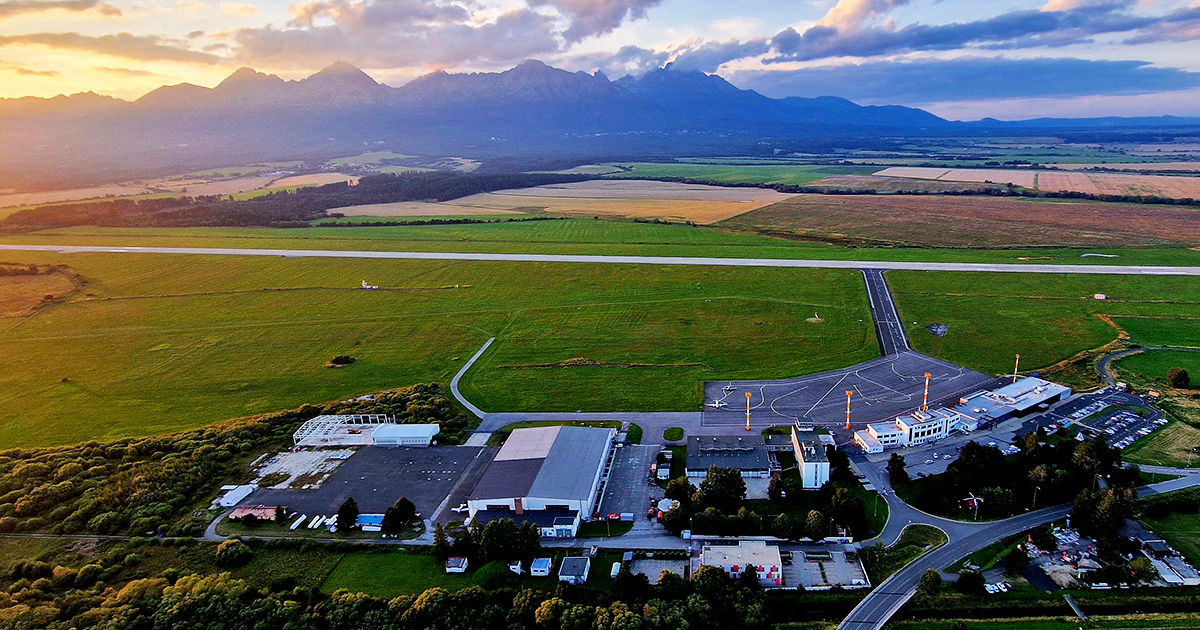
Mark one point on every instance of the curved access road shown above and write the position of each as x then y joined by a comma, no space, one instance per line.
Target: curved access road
1136,270
890,595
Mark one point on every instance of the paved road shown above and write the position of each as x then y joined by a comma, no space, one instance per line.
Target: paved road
887,598
1126,270
888,328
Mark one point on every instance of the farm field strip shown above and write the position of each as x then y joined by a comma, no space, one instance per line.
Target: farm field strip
1177,187
973,221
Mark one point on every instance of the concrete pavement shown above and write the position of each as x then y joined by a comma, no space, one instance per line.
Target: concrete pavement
1136,270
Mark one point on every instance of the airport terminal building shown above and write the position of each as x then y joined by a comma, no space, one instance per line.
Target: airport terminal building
547,476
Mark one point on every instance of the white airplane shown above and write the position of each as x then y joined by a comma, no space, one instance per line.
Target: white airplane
717,404
460,509
729,388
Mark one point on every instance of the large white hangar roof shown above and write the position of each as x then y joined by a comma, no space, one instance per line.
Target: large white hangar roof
546,462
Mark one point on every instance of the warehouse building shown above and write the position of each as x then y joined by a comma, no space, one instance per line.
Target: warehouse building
404,434
747,454
1011,401
549,476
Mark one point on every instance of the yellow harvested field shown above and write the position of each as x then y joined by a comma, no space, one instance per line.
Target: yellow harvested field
1073,182
74,194
316,179
415,209
1161,185
216,186
1148,166
630,198
1177,187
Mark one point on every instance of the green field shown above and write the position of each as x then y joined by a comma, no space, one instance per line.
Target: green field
160,343
740,173
1181,531
1152,365
392,574
1045,318
570,236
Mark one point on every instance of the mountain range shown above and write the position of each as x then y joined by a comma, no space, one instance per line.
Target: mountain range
532,110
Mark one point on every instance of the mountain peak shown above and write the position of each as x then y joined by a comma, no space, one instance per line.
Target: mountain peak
247,77
342,69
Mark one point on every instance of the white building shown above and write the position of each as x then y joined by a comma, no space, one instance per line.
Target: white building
404,434
549,476
747,555
810,458
915,428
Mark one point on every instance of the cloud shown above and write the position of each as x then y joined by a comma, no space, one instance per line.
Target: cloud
126,45
240,9
708,56
596,17
126,72
26,72
931,81
851,14
9,8
396,33
628,60
1016,29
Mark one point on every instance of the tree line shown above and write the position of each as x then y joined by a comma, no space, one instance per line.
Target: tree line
297,208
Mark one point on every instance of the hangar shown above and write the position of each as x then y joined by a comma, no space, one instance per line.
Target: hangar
404,434
746,454
549,476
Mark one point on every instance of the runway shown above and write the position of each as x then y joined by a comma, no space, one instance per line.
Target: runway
625,260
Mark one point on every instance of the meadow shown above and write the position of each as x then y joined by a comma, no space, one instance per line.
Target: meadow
579,236
992,317
154,344
1152,365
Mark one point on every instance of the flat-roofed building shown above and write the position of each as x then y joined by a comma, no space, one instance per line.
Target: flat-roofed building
1011,401
810,459
404,434
746,555
544,474
747,454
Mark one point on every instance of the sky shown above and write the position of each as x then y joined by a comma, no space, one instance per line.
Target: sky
962,59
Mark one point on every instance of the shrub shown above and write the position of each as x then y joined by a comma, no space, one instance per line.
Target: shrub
494,575
233,553
342,359
1178,378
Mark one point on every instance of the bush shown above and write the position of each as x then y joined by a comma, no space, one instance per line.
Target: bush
342,359
494,575
233,553
1178,378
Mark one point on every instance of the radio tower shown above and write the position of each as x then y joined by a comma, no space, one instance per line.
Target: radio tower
848,395
747,411
1015,368
925,400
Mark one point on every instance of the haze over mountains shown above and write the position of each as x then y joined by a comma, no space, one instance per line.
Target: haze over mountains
530,110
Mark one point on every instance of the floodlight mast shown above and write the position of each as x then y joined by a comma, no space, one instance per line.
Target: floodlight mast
925,400
747,411
849,393
1015,367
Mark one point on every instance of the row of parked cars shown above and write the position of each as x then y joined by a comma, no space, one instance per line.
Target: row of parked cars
1001,587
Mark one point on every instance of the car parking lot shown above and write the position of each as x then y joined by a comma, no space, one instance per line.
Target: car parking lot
1123,427
628,488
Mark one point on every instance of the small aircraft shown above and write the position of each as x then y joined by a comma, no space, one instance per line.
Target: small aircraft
717,404
729,388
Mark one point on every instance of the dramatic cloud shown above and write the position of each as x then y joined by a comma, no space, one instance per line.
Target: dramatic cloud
971,79
628,60
126,72
596,17
9,8
396,33
140,47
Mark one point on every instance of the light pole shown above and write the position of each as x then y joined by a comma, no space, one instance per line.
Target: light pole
1035,489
